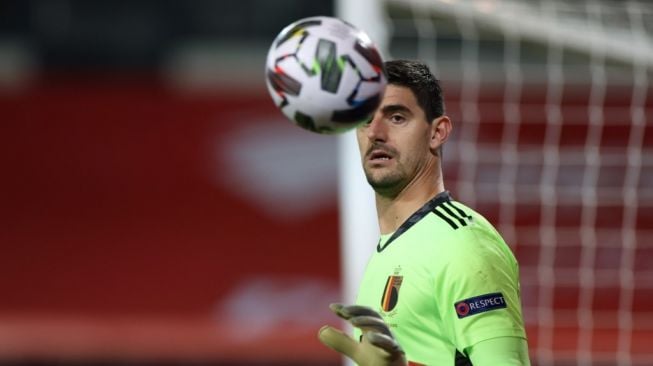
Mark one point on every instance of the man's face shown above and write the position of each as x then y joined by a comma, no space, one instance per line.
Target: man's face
394,145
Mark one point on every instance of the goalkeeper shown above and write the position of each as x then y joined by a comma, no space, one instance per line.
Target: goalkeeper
442,287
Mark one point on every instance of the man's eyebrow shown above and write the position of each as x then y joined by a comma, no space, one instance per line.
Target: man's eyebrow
391,108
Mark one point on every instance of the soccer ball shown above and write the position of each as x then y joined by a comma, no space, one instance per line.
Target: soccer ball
325,74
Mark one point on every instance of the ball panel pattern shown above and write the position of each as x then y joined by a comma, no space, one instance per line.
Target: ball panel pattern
325,75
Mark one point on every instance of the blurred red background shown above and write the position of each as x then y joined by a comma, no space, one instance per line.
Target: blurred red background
117,231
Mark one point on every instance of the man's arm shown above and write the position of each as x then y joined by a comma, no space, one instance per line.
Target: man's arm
379,348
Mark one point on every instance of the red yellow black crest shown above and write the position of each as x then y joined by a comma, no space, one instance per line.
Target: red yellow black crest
391,292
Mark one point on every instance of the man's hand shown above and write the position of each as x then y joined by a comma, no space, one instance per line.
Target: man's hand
377,347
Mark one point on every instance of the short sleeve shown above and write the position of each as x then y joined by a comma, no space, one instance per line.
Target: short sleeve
479,293
505,351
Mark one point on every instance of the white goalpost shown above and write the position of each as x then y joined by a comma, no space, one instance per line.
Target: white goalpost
553,142
358,223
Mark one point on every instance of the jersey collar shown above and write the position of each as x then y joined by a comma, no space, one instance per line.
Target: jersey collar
415,217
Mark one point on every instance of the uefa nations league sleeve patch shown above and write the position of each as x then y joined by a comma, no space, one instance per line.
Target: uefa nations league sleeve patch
480,304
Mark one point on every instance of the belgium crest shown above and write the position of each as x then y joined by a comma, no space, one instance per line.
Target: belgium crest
391,292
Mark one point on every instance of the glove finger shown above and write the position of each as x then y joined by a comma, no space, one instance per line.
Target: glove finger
338,310
370,324
384,342
338,341
348,311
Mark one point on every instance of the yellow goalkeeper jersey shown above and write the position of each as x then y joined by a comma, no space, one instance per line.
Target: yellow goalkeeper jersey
444,281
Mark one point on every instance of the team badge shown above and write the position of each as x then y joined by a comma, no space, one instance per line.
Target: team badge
391,292
480,304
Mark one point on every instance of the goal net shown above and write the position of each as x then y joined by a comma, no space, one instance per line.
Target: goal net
553,143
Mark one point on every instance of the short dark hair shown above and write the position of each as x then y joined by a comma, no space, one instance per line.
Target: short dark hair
417,76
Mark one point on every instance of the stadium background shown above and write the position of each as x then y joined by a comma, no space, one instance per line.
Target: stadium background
155,208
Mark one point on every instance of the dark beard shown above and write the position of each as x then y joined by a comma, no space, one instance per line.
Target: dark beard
388,185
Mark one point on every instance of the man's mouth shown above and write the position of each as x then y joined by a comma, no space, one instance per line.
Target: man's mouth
379,155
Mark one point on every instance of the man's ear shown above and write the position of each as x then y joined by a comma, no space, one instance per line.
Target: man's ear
440,131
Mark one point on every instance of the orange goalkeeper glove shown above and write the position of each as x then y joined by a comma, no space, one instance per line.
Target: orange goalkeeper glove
377,346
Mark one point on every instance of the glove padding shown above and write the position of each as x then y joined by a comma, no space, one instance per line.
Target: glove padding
377,346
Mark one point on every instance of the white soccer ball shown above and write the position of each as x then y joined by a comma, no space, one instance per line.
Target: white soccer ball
325,74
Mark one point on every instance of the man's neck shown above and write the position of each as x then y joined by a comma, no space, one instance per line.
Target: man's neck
393,211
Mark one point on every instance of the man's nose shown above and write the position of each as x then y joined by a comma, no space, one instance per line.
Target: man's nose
377,130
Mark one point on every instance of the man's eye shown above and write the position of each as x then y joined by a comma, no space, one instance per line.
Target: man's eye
396,118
